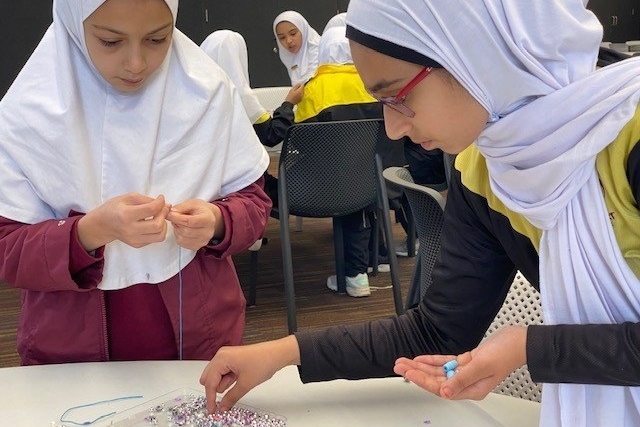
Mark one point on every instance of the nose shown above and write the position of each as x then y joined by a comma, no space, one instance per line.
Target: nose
396,124
135,61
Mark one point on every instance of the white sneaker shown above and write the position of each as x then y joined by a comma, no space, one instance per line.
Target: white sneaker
401,249
382,268
256,246
357,286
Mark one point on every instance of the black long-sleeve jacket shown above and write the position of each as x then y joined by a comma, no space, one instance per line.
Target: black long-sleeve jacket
271,130
482,247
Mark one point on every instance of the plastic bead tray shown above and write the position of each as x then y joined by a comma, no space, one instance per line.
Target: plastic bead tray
187,407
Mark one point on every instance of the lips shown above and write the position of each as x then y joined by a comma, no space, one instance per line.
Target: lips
427,145
131,82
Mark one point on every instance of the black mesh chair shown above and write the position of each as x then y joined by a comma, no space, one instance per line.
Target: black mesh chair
427,206
328,170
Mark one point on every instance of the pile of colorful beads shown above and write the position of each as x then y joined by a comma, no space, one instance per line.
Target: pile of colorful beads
192,412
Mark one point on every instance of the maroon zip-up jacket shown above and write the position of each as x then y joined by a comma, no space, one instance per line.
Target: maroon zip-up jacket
64,315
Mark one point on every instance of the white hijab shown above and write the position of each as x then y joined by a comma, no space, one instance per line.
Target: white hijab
339,20
302,65
70,141
531,65
334,47
229,50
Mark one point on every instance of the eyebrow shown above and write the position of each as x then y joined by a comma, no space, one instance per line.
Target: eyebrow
383,84
100,27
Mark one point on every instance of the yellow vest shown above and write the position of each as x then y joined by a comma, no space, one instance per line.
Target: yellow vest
331,85
611,166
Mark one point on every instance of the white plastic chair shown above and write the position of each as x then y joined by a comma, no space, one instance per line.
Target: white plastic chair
522,306
271,98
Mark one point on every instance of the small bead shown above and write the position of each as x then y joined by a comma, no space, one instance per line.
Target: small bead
450,373
450,365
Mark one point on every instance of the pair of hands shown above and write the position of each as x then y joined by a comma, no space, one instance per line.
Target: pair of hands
139,220
479,370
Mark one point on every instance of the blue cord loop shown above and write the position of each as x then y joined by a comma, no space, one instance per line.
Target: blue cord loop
101,417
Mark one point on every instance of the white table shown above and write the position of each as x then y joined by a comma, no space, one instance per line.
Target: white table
38,395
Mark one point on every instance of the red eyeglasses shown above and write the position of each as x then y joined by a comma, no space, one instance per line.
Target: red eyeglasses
397,102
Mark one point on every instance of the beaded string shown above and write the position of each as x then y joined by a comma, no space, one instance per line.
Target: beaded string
101,417
86,423
180,299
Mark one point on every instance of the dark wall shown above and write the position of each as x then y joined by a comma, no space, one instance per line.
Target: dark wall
24,22
620,19
254,20
23,25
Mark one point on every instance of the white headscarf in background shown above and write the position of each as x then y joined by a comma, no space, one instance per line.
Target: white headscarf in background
229,50
302,65
70,141
339,20
334,47
531,65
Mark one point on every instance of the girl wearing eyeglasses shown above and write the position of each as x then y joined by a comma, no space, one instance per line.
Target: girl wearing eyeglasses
547,182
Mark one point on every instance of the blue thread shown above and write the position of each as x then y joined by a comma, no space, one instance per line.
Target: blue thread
86,423
180,299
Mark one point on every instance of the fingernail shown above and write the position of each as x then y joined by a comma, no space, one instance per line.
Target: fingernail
446,392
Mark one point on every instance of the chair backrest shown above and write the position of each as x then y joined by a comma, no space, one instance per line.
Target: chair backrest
427,206
271,97
521,306
329,168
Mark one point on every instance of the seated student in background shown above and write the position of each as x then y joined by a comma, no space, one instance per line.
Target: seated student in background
130,175
339,20
229,50
297,45
334,93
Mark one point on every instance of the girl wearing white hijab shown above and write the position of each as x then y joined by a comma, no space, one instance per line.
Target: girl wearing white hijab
127,161
334,47
339,20
298,48
229,50
547,182
335,85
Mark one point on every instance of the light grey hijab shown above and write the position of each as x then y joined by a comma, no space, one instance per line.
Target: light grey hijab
531,65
